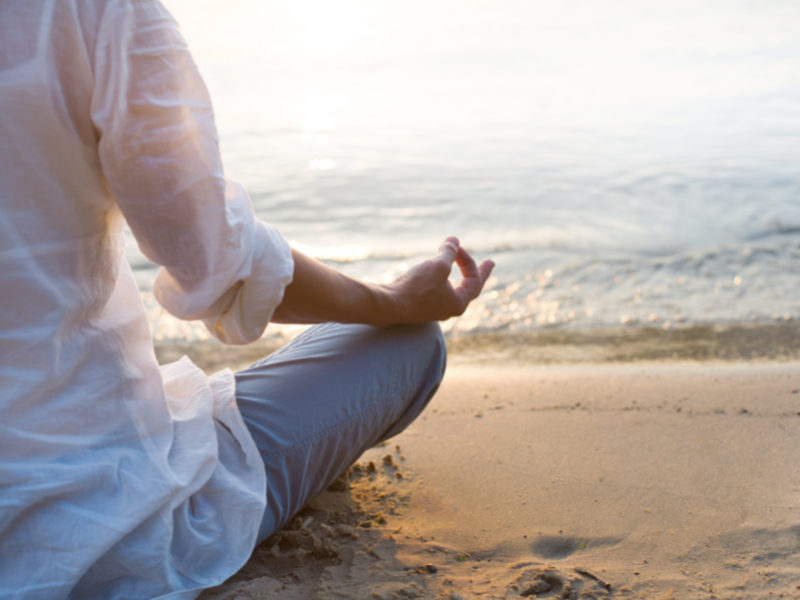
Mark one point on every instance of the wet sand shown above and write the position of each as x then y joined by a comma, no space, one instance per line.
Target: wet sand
640,480
735,342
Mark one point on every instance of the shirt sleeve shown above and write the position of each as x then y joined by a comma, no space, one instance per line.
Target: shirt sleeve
159,152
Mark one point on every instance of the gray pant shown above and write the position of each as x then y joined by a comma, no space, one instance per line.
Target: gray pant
314,406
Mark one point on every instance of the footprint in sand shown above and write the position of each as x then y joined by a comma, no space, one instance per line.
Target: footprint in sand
540,583
553,583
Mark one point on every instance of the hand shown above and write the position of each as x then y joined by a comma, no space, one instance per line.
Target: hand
424,292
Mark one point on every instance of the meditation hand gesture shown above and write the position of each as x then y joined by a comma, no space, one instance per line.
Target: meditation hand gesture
424,292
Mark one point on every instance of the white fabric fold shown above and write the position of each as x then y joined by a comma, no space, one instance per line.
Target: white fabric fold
257,297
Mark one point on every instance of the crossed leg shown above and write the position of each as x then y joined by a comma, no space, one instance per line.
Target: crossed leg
314,406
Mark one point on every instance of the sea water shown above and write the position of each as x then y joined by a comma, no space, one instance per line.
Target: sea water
624,163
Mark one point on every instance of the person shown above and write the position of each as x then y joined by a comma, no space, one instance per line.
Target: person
121,479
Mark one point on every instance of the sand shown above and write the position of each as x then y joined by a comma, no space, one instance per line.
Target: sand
644,480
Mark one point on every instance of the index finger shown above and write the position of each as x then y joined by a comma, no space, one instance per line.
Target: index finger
474,276
466,264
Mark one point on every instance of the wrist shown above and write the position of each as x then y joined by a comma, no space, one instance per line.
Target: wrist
389,306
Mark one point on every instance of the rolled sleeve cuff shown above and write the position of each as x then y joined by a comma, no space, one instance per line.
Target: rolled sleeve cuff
259,295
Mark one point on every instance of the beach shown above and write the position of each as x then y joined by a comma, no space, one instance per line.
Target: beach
618,419
634,478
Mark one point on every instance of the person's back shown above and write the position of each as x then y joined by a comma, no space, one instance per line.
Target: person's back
92,463
60,253
59,223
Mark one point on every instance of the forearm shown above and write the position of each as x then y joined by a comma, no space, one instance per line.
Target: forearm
319,294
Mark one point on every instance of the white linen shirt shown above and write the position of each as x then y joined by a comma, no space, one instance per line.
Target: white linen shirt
119,479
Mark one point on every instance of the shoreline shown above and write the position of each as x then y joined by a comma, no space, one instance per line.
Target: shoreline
728,342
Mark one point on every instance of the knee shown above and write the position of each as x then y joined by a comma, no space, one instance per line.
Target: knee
424,346
419,371
434,340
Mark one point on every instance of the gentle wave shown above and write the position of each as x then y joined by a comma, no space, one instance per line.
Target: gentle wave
570,289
